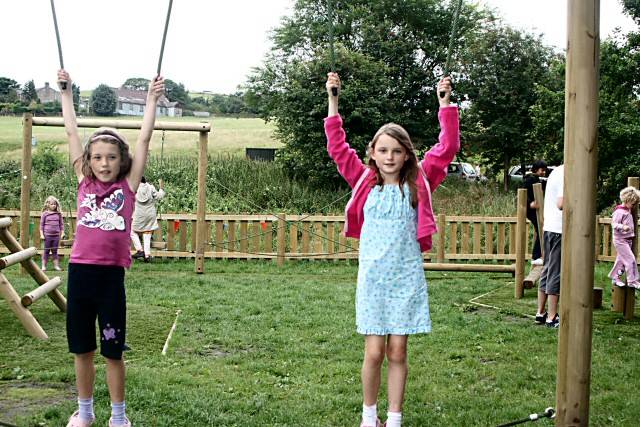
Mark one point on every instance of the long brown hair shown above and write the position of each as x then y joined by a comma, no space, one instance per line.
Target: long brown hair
409,171
110,136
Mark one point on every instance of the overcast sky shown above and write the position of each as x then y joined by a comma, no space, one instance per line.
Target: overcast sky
211,44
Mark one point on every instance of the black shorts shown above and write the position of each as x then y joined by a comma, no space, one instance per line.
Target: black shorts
96,291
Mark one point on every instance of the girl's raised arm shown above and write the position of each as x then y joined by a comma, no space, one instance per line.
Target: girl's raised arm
156,90
70,123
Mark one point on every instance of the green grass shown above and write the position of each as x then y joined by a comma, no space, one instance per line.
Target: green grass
258,345
228,136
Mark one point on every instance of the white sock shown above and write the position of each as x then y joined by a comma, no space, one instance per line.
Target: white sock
394,419
117,413
136,241
146,238
369,415
85,407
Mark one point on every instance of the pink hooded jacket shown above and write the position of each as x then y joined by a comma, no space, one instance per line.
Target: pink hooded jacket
361,178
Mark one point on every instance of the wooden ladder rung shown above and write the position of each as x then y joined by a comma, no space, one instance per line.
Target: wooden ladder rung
40,291
17,257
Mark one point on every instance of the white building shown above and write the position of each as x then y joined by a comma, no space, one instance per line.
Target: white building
132,102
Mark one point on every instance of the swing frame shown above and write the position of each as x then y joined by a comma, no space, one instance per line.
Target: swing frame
203,129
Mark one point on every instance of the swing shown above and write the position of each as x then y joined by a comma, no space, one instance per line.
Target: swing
160,244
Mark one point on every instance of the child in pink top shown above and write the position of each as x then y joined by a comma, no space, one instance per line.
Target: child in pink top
390,211
623,232
108,178
51,231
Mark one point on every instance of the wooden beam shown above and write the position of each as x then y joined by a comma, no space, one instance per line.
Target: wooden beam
26,318
521,242
40,291
579,210
201,227
25,181
123,124
482,268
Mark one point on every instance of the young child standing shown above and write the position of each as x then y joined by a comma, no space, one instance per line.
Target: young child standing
145,220
623,232
51,231
390,211
108,178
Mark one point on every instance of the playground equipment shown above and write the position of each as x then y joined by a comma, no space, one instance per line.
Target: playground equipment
47,286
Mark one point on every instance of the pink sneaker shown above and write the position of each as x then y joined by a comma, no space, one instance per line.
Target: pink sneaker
635,284
76,421
378,424
127,423
619,283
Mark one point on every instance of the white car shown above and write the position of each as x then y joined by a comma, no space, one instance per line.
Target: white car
464,171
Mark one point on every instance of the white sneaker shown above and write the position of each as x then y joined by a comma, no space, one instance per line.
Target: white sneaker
537,261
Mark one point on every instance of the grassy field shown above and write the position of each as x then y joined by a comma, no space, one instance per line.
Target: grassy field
258,345
228,136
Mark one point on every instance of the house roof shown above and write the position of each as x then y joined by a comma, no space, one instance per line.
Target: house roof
140,97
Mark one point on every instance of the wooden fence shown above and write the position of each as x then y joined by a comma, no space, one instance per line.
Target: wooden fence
461,238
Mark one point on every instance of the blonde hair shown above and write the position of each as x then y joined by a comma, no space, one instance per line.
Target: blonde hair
110,136
409,171
49,200
630,195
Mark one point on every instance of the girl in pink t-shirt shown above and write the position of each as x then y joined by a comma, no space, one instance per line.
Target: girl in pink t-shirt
108,178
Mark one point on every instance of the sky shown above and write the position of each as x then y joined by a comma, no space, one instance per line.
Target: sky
211,44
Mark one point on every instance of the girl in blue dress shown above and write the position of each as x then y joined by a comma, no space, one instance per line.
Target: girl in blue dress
390,212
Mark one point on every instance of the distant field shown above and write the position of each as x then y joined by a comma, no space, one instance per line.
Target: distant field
228,136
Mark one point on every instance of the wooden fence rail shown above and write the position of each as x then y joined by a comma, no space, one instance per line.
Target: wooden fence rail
461,238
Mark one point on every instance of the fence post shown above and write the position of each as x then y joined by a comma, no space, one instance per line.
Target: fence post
521,237
282,224
441,237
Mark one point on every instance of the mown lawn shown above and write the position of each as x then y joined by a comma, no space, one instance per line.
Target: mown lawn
228,136
258,345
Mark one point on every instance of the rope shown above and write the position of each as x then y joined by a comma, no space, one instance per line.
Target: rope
452,36
332,52
548,413
164,36
63,84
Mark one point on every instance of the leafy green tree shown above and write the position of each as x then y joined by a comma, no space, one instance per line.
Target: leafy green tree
176,92
8,88
75,91
619,115
632,8
136,83
29,92
502,67
103,101
389,55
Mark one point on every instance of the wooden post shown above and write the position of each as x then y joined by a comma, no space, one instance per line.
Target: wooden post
202,202
17,257
521,237
26,318
579,211
281,232
32,268
40,291
441,237
25,181
630,297
538,196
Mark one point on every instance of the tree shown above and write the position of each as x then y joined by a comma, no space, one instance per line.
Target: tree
136,83
8,88
75,91
103,101
389,56
29,92
176,92
502,67
619,115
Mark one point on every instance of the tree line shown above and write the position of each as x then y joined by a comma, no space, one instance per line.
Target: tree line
390,55
15,99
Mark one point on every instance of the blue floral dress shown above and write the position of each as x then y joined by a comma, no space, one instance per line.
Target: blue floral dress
391,297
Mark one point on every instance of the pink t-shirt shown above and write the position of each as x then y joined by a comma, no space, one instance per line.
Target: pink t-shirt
104,223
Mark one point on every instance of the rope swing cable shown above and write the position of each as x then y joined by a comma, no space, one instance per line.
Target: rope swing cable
164,37
332,52
452,36
63,84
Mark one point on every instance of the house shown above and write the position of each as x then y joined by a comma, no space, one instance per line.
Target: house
48,94
131,103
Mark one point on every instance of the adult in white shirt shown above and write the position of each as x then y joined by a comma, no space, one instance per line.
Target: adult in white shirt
549,289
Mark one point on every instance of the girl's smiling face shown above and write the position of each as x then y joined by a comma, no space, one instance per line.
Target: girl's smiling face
389,156
105,161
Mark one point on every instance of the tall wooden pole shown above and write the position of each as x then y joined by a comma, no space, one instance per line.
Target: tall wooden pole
25,182
521,241
201,228
579,211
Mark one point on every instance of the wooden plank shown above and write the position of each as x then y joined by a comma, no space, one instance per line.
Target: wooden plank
231,236
305,237
453,238
243,236
466,236
183,235
606,240
268,238
293,238
330,238
477,237
512,238
171,236
219,239
488,238
255,238
501,236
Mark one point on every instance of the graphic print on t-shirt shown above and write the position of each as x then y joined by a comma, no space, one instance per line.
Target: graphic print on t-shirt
106,217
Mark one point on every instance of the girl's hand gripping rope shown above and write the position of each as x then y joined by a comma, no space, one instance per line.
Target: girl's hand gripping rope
444,89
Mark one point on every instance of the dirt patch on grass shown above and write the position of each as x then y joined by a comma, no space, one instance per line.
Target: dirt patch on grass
23,398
